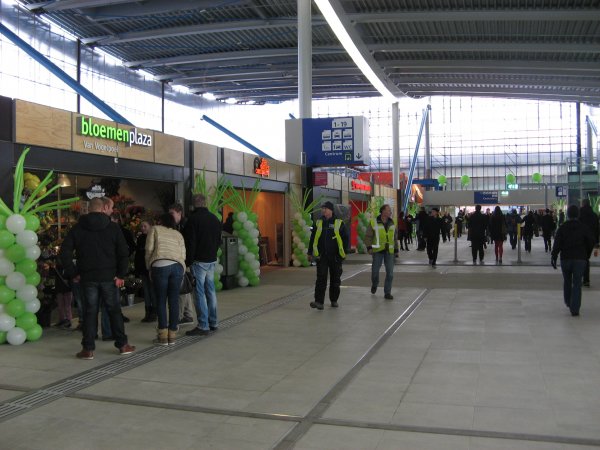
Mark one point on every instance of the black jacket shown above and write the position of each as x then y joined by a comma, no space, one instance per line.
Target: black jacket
573,240
202,234
139,261
327,244
589,218
99,247
478,224
497,227
433,228
548,225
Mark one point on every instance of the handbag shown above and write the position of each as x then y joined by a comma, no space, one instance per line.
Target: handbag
188,283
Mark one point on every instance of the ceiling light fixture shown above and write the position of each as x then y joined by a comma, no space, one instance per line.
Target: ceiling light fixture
231,100
209,96
340,31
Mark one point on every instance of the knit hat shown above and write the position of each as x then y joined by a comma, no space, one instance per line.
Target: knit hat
327,205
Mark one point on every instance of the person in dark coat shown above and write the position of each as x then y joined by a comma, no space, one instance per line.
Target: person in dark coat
529,226
228,225
589,218
498,233
548,227
101,252
433,227
477,231
512,224
328,244
422,218
141,271
447,229
574,242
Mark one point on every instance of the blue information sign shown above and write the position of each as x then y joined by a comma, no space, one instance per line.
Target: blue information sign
338,141
485,197
561,191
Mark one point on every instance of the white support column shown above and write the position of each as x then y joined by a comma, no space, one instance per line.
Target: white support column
427,146
395,146
305,58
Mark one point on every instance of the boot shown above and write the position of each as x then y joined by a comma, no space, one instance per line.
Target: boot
150,316
161,337
172,336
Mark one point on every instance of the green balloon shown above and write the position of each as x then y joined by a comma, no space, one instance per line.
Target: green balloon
3,222
442,180
218,286
6,294
15,253
243,233
2,337
2,281
34,279
6,238
32,222
536,177
15,307
510,178
27,320
253,217
254,249
34,333
465,179
237,225
27,267
244,265
305,263
254,281
219,252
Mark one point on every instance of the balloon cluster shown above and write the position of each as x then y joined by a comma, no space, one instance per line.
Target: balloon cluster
219,271
18,279
31,182
442,180
465,180
536,177
300,239
361,229
511,178
244,227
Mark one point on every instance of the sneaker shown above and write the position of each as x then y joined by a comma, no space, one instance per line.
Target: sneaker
433,266
388,297
319,306
214,328
197,332
127,349
85,354
373,289
500,261
474,262
186,320
481,262
160,341
334,304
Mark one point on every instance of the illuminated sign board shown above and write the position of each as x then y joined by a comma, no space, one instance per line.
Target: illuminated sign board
261,167
86,127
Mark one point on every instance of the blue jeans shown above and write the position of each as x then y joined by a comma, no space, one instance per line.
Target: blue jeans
78,297
388,259
572,270
104,318
167,283
206,296
95,292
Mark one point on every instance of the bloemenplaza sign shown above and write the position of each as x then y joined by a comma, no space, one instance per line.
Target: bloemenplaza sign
86,127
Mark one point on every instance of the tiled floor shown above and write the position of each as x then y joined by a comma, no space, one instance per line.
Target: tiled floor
489,359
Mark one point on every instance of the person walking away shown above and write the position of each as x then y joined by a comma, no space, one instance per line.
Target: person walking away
402,231
328,244
547,223
165,259
141,271
477,231
498,233
380,240
202,236
561,217
433,227
574,242
422,218
409,229
512,223
186,309
528,230
588,217
447,230
102,256
459,223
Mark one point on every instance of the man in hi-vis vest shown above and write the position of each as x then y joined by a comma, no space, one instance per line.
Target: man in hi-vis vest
381,243
328,244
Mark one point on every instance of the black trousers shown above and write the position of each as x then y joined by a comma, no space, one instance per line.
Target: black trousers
477,247
548,242
432,249
586,272
332,265
513,239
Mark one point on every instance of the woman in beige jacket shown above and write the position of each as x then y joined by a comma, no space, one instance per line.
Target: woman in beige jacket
165,260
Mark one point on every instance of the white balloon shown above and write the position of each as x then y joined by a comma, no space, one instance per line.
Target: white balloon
16,336
218,269
254,232
6,267
33,306
27,238
242,216
27,293
15,223
293,256
33,252
249,257
255,264
296,240
242,249
301,246
297,263
243,281
297,216
257,272
255,240
6,322
248,225
294,234
15,280
302,223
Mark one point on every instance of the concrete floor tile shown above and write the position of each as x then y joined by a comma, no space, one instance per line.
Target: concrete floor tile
515,420
397,440
340,438
503,444
431,415
444,394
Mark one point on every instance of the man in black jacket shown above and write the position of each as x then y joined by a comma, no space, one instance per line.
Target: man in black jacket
433,227
548,226
328,244
478,224
589,218
202,236
575,243
101,252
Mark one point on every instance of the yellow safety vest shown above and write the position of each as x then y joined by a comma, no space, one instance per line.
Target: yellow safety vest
336,231
383,237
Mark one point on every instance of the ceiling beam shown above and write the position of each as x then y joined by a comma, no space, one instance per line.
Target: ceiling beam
529,83
263,75
472,46
64,5
503,92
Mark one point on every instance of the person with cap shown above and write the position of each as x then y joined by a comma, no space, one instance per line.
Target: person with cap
380,240
328,244
548,226
575,242
433,227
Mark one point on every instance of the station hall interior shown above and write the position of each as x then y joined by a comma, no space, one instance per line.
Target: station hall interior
273,108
